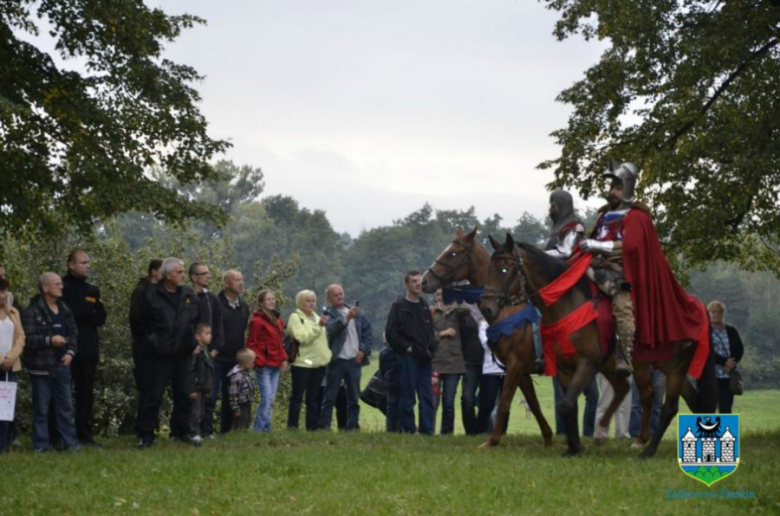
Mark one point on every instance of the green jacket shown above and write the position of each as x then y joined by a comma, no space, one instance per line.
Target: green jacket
314,350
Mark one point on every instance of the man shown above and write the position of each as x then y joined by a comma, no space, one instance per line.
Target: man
409,332
349,338
51,343
567,231
235,319
631,268
200,276
474,358
167,316
140,369
83,299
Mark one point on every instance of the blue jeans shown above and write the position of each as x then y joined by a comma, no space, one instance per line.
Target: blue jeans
658,381
591,393
6,427
449,386
267,383
45,388
415,383
348,370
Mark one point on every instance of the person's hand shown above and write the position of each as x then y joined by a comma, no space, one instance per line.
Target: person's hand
6,364
353,312
324,320
196,351
285,365
449,332
409,349
360,356
237,413
66,360
730,364
193,395
58,341
213,353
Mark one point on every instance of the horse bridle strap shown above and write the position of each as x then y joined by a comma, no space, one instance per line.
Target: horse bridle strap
446,279
504,299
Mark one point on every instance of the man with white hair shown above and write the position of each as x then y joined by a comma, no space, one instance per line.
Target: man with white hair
235,319
50,345
168,314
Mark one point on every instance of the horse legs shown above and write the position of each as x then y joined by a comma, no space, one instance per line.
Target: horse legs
572,387
644,384
514,373
675,379
620,387
527,386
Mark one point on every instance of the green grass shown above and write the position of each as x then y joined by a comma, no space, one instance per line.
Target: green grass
374,473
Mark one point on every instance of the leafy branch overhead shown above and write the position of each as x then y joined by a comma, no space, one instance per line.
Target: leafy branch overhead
689,92
80,128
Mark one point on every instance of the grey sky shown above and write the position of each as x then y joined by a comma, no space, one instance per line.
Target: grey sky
368,109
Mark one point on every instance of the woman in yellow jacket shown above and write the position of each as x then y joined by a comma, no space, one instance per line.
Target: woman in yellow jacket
11,345
308,369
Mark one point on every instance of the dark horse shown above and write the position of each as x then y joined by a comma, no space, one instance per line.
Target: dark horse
523,267
466,259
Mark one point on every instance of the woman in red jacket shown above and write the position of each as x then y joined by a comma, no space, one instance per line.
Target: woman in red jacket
266,330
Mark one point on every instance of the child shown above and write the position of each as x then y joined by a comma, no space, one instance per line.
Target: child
201,377
242,389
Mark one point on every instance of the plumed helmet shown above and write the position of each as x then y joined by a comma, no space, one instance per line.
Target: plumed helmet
627,173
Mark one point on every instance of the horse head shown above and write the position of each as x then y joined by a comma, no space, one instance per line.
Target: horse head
505,283
453,264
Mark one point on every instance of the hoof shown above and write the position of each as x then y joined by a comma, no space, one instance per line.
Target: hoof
548,443
646,454
489,444
637,445
600,441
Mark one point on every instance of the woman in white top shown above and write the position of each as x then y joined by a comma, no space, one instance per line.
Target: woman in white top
493,373
11,345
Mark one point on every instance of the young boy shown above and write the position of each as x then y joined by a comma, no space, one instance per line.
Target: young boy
201,377
242,389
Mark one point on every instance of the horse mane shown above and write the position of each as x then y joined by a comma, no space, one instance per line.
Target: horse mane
551,267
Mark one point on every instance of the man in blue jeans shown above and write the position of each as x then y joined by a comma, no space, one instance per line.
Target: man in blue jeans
409,332
51,336
349,338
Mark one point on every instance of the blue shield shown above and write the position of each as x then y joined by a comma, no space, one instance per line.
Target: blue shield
708,445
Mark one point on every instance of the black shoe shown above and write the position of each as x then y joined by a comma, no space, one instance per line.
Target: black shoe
144,443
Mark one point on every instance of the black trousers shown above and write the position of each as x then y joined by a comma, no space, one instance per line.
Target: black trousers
725,396
221,387
468,398
162,371
305,380
84,371
489,392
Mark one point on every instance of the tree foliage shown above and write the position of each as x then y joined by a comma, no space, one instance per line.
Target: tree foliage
81,127
688,90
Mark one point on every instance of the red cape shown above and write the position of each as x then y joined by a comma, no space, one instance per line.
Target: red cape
665,313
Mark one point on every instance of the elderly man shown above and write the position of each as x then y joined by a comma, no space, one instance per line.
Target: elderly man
51,344
167,316
83,299
349,338
235,319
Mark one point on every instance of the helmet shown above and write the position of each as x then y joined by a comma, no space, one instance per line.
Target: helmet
627,173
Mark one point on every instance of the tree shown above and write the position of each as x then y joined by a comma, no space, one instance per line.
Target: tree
80,129
688,90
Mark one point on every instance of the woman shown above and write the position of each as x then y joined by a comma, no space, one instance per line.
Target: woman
448,358
11,345
728,350
266,330
308,370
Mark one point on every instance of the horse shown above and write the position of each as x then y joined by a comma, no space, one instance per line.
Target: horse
521,268
466,259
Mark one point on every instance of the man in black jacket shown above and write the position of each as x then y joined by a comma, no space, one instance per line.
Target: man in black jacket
83,299
235,319
167,317
200,276
51,338
136,331
409,332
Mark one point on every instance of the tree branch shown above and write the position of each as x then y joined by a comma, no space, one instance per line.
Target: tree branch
722,89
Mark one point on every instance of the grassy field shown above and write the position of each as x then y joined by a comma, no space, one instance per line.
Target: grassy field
375,473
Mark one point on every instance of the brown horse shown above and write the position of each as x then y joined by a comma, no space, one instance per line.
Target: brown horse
466,259
522,268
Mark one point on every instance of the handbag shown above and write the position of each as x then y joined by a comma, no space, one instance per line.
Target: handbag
735,382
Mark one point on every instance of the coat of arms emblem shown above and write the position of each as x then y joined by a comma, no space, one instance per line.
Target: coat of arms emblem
708,445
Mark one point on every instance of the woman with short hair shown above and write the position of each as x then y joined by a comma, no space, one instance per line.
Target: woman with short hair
11,346
728,350
308,369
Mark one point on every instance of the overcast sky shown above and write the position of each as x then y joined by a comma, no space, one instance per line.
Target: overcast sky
368,109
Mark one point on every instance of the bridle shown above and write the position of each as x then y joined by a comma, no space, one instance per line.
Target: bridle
449,276
503,296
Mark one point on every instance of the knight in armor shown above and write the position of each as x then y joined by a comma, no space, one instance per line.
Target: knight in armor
606,242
